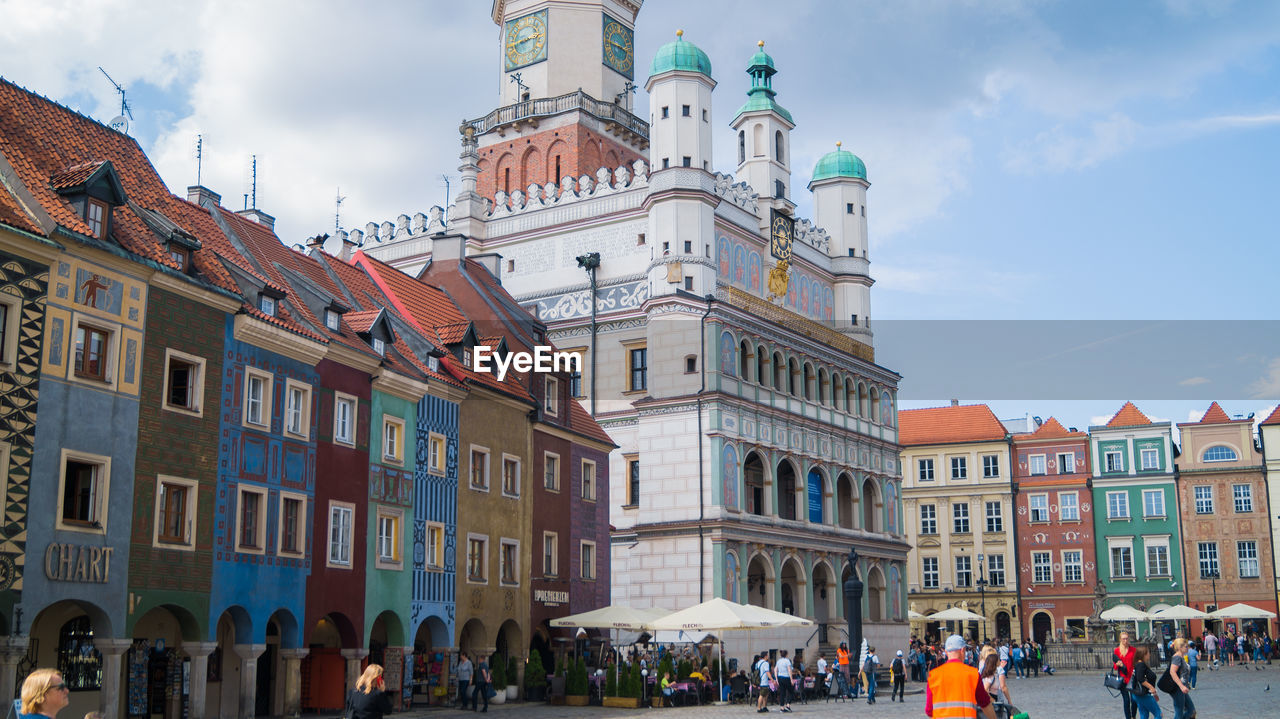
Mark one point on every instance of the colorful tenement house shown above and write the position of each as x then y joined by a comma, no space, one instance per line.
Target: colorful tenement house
1269,436
958,500
1226,532
1136,532
1056,563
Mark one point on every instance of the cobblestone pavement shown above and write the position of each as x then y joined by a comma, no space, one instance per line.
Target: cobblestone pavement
1233,693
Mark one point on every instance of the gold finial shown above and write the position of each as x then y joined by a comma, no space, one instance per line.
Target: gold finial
760,44
838,144
679,33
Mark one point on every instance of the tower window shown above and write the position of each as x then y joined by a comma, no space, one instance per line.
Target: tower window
742,147
640,239
704,115
684,110
688,284
688,247
666,112
853,252
666,162
864,210
688,161
777,145
511,265
506,180
848,208
557,175
779,189
854,320
690,364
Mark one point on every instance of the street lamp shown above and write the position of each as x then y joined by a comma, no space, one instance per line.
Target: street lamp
982,592
1213,581
853,603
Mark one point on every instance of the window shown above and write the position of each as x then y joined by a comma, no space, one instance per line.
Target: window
960,518
1073,566
575,377
959,468
436,453
928,519
1243,496
393,439
551,471
389,538
633,482
666,112
1117,505
704,115
175,512
1219,454
995,570
1067,463
267,305
1114,461
340,516
666,161
78,661
184,382
344,422
1204,499
510,476
1157,557
587,560
964,571
925,470
684,110
250,516
686,161
1039,505
477,559
690,361
257,397
96,216
995,518
8,311
929,572
93,346
509,561
637,369
85,487
848,208
991,466
1122,559
1247,559
1150,459
1207,553
479,468
1037,464
1068,507
435,546
1041,568
297,409
332,320
1153,503
293,518
551,396
550,554
588,480
379,347
466,356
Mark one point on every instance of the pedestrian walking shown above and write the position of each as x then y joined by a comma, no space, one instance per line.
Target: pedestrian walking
481,688
370,698
1122,664
897,673
44,694
1143,686
869,673
1193,658
955,690
766,682
1179,672
784,670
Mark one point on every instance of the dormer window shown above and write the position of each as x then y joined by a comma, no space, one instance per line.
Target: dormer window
331,319
379,346
96,215
466,357
179,255
267,305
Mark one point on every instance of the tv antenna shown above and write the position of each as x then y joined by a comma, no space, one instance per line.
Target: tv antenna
252,194
337,210
445,178
627,91
199,156
521,89
119,123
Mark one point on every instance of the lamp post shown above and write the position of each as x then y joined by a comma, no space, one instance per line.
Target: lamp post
1213,581
982,592
853,603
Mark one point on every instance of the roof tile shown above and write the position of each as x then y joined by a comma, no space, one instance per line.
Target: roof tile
943,425
1274,417
1128,416
1051,429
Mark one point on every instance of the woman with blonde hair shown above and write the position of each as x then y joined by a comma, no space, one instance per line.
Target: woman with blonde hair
44,694
370,698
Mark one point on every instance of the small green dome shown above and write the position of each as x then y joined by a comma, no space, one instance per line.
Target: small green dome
760,59
680,55
839,163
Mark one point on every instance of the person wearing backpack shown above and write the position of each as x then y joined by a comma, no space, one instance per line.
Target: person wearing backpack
897,672
1143,686
869,673
766,682
1178,674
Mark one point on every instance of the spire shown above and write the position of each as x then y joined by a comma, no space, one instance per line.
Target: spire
760,97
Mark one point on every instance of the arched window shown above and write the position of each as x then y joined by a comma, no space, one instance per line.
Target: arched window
744,360
837,392
742,146
793,378
777,146
757,140
824,396
779,372
808,382
78,660
762,366
886,409
1219,453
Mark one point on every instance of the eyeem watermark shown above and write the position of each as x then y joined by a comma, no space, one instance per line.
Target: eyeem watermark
542,359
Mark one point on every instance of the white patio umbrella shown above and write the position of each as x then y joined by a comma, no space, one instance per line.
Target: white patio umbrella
1177,612
612,617
1124,613
914,616
1242,611
956,614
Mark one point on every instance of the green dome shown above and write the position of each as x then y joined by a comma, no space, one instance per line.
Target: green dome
839,163
680,55
761,58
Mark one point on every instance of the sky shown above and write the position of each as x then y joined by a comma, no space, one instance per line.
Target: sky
1035,162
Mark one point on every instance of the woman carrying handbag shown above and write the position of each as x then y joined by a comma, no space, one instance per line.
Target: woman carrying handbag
1122,665
1143,686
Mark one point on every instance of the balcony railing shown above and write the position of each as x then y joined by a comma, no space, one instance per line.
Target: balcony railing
550,106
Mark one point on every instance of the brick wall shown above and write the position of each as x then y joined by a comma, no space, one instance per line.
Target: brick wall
531,158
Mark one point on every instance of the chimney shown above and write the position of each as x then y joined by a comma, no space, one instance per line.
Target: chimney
492,262
201,195
445,248
348,247
317,242
259,217
955,403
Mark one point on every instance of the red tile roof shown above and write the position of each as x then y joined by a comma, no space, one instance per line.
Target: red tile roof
13,214
1051,429
945,425
452,333
75,175
1215,415
1128,416
1274,417
363,320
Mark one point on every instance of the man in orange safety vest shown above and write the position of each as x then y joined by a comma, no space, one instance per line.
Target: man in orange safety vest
954,690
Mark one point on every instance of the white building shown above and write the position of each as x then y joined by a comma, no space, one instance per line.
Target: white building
757,434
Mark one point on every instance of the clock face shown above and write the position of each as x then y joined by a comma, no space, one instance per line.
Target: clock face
525,39
619,47
780,236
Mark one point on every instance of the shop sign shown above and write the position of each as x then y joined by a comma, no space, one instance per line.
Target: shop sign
77,563
550,598
1041,605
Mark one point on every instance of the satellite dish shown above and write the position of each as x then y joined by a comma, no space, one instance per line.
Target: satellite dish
120,123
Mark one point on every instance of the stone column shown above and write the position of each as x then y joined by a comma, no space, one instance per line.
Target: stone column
109,695
199,653
248,654
353,657
293,680
12,650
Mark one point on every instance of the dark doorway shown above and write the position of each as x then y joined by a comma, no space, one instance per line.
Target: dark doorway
1003,624
1041,626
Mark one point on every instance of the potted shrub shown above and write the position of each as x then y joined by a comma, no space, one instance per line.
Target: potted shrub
498,669
558,683
513,677
535,678
577,689
624,694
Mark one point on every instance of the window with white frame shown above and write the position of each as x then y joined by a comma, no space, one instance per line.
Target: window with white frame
257,397
379,346
297,408
959,467
393,439
1242,494
929,572
94,352
1042,567
551,471
509,561
183,382
251,525
1067,463
340,525
928,519
344,418
435,546
477,558
924,469
1072,566
86,485
1207,554
995,517
1204,499
10,308
551,395
960,518
587,559
1121,550
1068,506
550,554
389,538
292,525
436,448
1219,453
1247,559
510,475
1114,461
1153,503
479,468
1157,556
1037,464
175,512
1118,505
964,571
332,320
588,480
991,466
995,570
267,304
1150,458
1039,505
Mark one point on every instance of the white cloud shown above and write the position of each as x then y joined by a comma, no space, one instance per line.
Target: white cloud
1098,420
1268,385
1193,381
1060,148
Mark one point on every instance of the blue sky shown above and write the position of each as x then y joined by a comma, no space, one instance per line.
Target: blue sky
1029,160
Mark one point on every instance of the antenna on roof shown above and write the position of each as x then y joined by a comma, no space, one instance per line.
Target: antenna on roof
119,123
254,187
337,211
445,219
199,156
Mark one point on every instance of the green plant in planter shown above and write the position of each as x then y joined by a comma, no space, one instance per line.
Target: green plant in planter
513,676
498,668
665,666
534,675
611,683
684,669
576,679
560,666
636,681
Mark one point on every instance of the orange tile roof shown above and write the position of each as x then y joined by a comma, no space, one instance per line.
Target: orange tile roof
1051,429
1128,416
1215,415
363,320
944,425
1274,417
12,213
453,333
412,298
75,175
